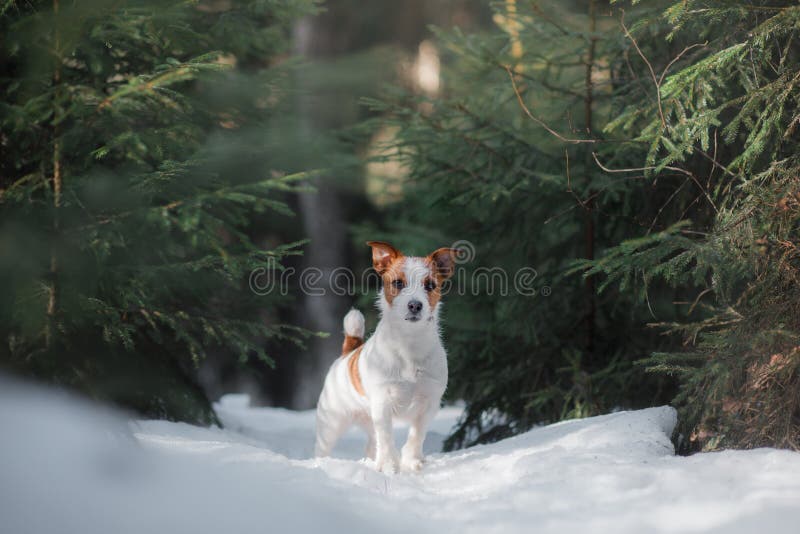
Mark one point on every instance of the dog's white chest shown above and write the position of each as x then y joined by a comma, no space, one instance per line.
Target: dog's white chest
415,365
412,379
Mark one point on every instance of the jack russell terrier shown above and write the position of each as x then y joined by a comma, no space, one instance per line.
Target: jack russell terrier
401,371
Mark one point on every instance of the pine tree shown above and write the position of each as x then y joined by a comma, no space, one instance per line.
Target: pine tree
672,128
725,120
133,166
505,159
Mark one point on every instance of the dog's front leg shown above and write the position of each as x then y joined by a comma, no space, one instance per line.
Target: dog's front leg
386,457
412,457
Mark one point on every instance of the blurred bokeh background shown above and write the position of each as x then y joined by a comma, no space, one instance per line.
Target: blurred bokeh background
196,142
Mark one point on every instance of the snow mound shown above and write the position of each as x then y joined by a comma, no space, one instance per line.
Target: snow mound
69,466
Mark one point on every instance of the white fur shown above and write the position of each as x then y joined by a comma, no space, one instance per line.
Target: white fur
354,323
403,369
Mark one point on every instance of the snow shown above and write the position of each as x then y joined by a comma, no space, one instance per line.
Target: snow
70,466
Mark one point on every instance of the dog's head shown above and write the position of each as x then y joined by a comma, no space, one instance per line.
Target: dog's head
412,285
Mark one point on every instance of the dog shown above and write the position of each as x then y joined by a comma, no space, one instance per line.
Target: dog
400,372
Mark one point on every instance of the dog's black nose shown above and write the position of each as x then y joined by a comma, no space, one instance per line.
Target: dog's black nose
414,306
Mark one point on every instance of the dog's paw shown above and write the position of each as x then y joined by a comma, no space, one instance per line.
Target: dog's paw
411,464
387,463
411,458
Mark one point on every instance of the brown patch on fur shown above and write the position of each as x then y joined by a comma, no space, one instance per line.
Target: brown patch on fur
442,265
443,261
388,262
383,255
435,295
392,273
352,370
350,344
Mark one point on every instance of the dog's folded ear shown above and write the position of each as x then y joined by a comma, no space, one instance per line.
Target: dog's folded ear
383,254
444,259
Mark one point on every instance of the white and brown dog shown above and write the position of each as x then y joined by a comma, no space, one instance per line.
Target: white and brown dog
401,371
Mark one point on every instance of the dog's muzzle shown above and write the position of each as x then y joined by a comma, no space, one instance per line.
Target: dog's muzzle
414,309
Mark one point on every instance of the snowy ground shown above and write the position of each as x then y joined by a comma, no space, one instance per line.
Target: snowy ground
68,466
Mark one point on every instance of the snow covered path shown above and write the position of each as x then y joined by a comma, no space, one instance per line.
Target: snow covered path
68,466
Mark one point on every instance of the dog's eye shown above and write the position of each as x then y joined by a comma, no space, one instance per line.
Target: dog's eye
398,284
429,285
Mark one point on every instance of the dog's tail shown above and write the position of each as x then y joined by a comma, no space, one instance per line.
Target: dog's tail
353,331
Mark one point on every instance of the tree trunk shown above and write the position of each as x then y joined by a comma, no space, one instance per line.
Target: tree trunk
323,224
589,205
52,300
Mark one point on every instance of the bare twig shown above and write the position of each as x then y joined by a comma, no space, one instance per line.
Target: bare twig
569,182
539,121
656,81
668,167
543,15
676,58
697,300
666,203
713,159
543,83
649,66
